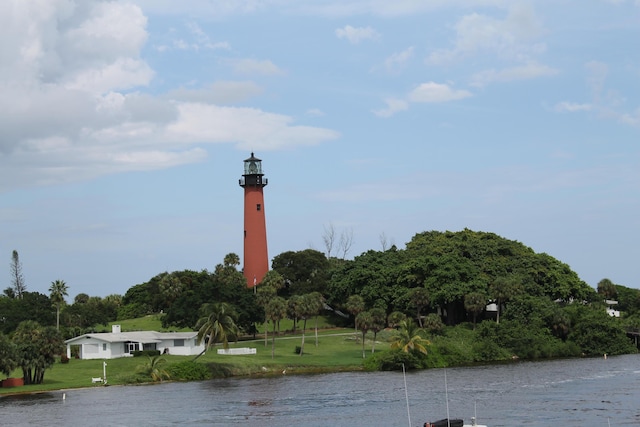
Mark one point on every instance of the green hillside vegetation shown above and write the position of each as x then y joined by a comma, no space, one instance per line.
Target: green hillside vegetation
464,297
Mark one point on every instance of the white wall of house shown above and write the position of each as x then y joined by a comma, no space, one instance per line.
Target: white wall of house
184,347
93,348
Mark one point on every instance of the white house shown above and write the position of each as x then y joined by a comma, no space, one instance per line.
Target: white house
110,345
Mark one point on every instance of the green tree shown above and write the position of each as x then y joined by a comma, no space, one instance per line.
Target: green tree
17,279
303,271
410,338
32,306
273,279
81,298
419,298
364,321
231,260
37,347
275,311
217,325
502,290
474,303
433,323
170,287
57,291
607,289
8,355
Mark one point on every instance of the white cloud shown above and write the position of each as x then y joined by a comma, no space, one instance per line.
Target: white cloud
356,35
398,60
268,131
606,103
510,38
520,72
437,92
199,40
220,92
571,107
315,112
632,119
71,75
430,92
393,106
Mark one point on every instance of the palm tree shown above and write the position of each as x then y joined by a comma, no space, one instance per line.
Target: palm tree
607,288
264,294
218,325
379,321
395,318
153,368
275,311
433,323
475,302
58,290
355,305
316,303
295,309
170,288
310,305
364,320
502,290
231,260
410,339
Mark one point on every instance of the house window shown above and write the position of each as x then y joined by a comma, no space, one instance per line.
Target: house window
178,343
259,206
104,346
131,347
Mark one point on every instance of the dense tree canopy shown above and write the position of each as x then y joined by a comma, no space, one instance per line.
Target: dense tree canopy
450,266
539,306
303,271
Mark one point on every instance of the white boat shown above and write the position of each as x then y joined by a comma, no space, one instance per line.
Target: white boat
473,423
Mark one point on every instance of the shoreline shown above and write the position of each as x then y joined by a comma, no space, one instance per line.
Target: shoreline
272,372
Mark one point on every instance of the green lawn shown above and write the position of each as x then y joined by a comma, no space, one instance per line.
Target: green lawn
151,322
337,350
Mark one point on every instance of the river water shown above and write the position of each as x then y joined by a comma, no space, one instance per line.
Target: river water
574,392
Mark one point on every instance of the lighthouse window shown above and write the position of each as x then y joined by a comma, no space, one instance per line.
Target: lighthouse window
259,206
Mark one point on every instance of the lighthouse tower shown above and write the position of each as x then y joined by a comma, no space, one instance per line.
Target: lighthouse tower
256,261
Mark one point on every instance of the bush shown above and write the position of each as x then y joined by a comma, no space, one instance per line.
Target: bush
64,359
149,353
392,360
189,371
298,349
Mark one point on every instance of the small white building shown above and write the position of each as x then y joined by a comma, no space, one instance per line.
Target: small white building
114,344
610,310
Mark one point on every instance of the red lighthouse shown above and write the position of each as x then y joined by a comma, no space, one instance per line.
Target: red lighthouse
256,260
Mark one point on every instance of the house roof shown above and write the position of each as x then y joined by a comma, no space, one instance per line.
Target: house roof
145,337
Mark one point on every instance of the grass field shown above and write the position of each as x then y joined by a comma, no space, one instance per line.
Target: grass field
337,350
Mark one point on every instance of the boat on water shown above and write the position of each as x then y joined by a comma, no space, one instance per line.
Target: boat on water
452,423
445,423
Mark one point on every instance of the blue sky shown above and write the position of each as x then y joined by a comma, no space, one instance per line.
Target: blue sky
124,124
